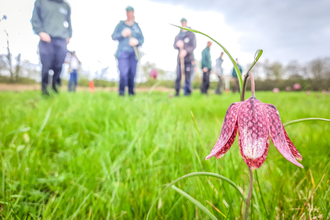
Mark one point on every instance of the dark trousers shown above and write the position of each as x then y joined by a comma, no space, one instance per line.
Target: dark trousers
187,74
127,68
235,85
52,57
73,81
205,82
219,86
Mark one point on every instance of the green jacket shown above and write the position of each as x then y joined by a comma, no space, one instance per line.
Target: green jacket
206,58
52,17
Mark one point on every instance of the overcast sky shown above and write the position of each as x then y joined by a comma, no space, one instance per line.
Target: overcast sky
285,30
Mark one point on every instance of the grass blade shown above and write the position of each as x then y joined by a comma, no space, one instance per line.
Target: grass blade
45,121
240,80
305,119
199,135
195,175
197,203
154,86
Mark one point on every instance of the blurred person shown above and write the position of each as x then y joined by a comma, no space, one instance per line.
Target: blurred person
51,20
219,72
206,68
129,36
74,67
235,79
185,43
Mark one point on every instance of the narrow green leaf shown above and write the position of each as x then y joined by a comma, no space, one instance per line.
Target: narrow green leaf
199,135
304,120
197,203
256,58
194,175
240,80
154,86
45,121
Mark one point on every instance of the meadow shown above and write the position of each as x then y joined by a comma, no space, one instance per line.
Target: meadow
101,156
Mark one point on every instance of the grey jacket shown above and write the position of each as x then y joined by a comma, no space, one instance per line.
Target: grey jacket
52,17
189,40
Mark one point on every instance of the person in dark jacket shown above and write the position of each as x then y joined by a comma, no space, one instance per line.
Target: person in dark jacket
206,68
185,43
129,36
235,79
51,20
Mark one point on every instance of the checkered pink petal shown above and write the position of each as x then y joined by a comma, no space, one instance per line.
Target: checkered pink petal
228,132
277,134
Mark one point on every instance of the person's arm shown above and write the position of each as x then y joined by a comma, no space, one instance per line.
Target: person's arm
140,37
209,59
116,35
69,21
192,44
36,18
203,59
176,40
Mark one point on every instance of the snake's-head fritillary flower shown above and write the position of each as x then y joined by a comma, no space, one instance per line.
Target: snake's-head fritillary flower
276,90
296,86
255,122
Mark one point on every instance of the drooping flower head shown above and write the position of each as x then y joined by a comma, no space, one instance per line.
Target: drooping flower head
276,90
255,122
153,73
296,86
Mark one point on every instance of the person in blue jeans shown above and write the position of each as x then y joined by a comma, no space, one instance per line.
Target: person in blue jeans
130,37
51,20
74,67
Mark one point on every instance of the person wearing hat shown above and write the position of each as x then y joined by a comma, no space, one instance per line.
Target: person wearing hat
129,36
51,20
185,43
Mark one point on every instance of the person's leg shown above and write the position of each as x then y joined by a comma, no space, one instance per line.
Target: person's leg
123,66
131,74
217,90
75,80
192,77
203,85
187,82
46,58
207,83
70,81
220,85
178,79
60,50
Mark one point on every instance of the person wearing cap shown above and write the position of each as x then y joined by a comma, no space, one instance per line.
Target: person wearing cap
51,20
235,79
185,43
206,68
129,36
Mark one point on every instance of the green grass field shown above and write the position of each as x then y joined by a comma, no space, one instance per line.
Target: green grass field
100,156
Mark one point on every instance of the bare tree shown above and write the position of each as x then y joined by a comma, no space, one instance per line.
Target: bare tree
293,70
320,68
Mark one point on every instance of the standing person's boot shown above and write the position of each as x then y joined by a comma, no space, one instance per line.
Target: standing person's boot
44,89
54,87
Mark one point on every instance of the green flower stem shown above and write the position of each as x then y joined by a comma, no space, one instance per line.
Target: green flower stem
248,199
